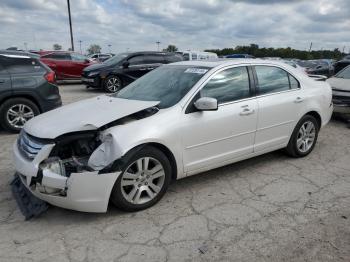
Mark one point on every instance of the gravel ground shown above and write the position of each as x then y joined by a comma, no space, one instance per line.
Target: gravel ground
270,208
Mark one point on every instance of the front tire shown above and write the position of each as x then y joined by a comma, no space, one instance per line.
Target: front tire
15,112
145,177
112,84
304,137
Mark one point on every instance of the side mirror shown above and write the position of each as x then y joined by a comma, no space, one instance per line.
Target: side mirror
206,104
87,61
126,64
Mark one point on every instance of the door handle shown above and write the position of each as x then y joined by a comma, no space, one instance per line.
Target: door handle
298,100
247,111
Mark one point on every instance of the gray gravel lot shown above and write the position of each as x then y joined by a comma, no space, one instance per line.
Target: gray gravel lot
270,208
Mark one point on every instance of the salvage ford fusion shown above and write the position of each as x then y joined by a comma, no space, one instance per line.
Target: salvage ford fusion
178,120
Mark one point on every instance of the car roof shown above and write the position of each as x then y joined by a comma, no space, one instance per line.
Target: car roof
18,54
150,52
227,62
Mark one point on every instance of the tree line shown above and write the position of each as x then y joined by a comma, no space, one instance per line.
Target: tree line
288,52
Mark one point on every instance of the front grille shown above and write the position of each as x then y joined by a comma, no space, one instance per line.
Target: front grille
28,145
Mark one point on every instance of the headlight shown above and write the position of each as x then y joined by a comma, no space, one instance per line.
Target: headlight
93,73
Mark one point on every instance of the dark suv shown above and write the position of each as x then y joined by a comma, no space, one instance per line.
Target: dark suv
124,68
27,88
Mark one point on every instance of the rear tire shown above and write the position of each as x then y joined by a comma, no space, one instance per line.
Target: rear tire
112,84
304,137
145,177
15,112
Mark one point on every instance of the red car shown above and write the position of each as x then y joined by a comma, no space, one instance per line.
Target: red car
67,65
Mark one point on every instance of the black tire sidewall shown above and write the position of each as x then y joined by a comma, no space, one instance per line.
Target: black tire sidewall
105,84
11,102
117,197
292,146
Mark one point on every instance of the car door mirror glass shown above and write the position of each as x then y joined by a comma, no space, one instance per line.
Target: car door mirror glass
206,104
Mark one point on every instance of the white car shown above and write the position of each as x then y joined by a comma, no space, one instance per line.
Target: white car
340,84
198,55
178,120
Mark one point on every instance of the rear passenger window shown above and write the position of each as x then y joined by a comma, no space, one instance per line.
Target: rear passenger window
228,85
294,84
58,56
23,65
271,79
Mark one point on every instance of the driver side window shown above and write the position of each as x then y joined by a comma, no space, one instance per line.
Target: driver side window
136,60
228,85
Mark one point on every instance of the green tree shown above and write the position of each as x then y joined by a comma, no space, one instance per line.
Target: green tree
93,49
171,48
57,47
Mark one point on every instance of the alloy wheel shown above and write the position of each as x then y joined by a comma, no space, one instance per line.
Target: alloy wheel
306,136
113,84
18,115
142,180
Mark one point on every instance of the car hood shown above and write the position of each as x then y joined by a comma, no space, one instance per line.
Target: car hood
339,83
89,114
96,66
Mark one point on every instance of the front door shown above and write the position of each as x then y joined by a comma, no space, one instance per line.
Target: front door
212,138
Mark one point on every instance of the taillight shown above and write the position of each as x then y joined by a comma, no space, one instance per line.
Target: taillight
51,77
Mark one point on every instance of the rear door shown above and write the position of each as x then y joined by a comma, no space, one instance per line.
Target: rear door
59,62
5,80
280,101
77,64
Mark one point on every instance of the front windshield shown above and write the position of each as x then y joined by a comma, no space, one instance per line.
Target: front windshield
345,73
115,59
167,84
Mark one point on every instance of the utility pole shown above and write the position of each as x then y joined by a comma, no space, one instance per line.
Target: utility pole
310,47
70,25
81,52
109,48
158,43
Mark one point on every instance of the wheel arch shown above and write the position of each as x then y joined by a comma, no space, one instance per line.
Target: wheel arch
167,152
26,96
164,149
317,116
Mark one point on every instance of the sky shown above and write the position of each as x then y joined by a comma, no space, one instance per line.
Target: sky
135,25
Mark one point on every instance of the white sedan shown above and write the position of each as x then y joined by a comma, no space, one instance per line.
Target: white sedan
178,120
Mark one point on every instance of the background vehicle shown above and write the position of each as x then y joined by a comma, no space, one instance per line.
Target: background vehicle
340,84
27,88
178,120
124,68
198,55
338,66
100,57
317,67
20,53
239,56
66,65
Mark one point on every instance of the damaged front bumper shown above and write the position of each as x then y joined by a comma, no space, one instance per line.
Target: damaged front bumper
82,191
